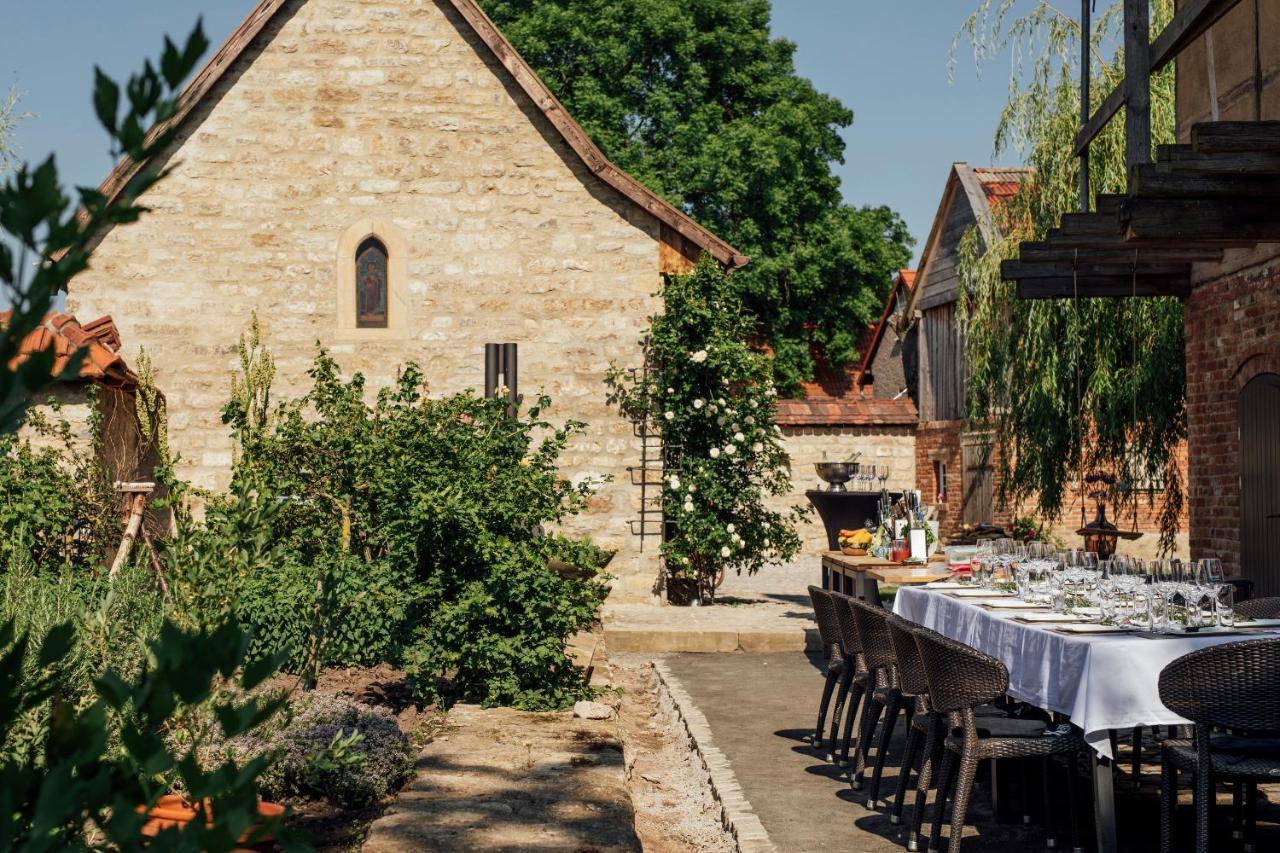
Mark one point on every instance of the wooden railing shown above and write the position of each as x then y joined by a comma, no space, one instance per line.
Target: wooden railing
1142,58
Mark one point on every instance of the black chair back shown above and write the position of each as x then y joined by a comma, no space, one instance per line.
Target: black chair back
873,629
906,653
958,676
1235,686
850,639
824,611
1260,608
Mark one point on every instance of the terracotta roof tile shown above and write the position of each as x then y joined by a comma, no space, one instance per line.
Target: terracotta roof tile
64,335
846,411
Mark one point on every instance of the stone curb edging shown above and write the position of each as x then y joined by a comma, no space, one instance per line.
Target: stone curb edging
737,815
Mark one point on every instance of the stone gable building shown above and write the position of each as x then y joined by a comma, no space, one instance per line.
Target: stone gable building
388,178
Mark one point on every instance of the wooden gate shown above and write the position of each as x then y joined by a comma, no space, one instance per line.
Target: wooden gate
1259,413
977,497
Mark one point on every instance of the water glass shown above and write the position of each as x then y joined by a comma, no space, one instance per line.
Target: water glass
1224,605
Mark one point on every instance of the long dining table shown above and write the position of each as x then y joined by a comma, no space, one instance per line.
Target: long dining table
1101,681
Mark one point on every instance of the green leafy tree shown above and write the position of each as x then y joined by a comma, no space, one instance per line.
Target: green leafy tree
700,103
1069,386
711,396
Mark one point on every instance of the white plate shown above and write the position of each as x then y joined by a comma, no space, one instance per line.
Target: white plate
1042,616
1007,604
948,585
1092,628
979,593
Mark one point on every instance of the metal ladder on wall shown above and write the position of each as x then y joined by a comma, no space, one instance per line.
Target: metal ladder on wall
650,474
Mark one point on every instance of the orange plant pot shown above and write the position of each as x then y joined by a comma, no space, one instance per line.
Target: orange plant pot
171,810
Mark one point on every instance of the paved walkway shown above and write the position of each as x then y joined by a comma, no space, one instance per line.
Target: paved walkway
768,612
759,707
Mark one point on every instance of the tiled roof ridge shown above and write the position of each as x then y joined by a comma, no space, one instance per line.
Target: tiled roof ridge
62,333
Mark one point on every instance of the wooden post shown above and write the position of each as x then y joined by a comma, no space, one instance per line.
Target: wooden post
1137,84
135,504
1085,29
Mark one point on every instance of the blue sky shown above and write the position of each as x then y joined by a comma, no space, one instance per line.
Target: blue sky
886,61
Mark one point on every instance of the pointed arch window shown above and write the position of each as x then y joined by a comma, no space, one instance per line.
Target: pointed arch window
371,284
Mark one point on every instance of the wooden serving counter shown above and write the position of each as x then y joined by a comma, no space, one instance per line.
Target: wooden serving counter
861,576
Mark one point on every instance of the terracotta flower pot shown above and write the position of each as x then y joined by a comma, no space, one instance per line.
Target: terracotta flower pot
172,810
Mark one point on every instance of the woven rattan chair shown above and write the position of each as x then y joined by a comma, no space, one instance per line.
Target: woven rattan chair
961,680
1260,608
824,613
855,689
925,722
1235,686
886,697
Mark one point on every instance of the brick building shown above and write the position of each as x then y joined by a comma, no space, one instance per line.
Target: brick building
393,181
1201,222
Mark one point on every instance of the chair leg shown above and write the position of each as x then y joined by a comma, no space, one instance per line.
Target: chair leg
842,693
1046,803
909,751
1237,811
960,800
1073,804
1250,816
1137,757
945,776
928,761
1204,808
882,750
856,701
1168,802
827,689
870,716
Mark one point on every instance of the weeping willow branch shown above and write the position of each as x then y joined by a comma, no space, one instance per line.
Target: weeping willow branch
1068,386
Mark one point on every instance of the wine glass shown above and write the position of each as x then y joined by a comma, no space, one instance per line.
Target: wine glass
884,475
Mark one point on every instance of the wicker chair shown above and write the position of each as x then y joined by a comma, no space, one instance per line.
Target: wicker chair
924,722
887,696
1235,686
824,613
961,680
1260,608
854,690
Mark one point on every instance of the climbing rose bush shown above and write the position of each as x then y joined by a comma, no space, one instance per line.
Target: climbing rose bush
711,396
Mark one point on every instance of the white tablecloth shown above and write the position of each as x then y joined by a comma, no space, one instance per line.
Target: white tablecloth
1102,681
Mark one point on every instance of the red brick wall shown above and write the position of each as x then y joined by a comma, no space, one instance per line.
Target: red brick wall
940,441
1233,334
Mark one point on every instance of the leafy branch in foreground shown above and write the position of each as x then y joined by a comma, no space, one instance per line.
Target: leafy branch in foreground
48,239
1068,386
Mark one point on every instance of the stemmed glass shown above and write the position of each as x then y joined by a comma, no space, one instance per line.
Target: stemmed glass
884,476
1221,593
867,473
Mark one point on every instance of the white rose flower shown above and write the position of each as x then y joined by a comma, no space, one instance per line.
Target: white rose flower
693,487
724,552
715,453
737,436
688,506
751,403
729,450
721,401
684,561
699,403
720,421
699,356
671,390
751,420
729,527
669,415
757,447
711,410
674,481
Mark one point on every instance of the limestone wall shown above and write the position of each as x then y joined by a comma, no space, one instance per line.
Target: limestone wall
894,446
389,117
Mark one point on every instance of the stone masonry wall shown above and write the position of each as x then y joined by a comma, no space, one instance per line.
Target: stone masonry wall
1233,335
894,446
390,111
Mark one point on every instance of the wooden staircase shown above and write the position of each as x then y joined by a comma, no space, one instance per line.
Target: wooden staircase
1221,191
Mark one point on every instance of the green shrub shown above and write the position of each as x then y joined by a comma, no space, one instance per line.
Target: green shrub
710,393
410,531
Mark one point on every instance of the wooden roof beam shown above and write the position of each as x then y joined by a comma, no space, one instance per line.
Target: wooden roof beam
1151,180
1205,220
1117,254
1092,287
1229,137
1021,270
